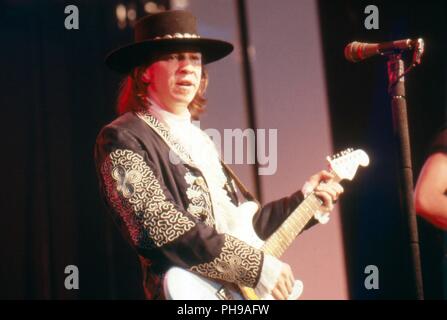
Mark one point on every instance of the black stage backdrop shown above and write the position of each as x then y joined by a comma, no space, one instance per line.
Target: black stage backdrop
374,227
56,93
55,96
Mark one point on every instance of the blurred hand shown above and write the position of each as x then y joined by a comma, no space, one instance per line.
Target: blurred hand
284,285
325,188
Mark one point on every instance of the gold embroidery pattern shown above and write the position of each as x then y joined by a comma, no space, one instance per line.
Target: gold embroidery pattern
237,263
116,202
125,180
199,199
163,132
132,178
200,203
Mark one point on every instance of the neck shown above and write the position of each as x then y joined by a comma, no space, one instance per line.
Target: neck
179,108
167,116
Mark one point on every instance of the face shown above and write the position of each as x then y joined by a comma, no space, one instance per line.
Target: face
174,80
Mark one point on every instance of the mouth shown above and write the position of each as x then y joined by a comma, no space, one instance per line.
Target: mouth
185,84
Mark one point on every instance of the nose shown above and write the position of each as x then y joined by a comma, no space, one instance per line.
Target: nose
186,65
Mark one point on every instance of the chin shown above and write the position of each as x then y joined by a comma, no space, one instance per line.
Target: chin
184,100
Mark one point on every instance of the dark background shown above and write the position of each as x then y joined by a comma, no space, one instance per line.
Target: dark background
56,95
361,115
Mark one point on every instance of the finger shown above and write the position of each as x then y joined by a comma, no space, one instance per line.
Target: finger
321,176
334,188
277,294
291,277
326,175
282,286
313,181
289,286
338,187
327,200
307,188
328,189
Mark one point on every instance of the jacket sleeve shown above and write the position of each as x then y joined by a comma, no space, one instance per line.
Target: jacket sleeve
272,215
158,227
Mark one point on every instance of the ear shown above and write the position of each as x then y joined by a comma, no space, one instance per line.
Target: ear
146,76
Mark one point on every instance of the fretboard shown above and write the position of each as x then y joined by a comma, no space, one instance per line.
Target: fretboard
283,237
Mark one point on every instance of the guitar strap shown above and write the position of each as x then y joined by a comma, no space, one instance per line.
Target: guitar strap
244,190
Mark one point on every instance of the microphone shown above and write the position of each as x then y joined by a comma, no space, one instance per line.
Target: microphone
358,51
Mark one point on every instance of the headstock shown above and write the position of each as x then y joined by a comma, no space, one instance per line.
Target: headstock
346,163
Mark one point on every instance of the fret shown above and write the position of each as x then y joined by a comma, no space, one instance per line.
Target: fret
287,232
268,250
304,216
296,216
315,202
283,244
280,248
313,205
308,208
276,248
273,246
287,229
283,237
301,225
295,224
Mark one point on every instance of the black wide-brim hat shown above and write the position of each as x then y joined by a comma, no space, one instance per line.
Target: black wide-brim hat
165,32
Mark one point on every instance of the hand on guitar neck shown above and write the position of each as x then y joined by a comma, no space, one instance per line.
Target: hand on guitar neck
325,187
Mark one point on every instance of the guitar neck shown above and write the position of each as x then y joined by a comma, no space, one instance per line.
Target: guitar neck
283,237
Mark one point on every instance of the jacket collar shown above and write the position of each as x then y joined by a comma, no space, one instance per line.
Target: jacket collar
166,136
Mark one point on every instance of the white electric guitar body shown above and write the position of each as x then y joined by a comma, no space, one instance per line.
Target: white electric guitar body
181,284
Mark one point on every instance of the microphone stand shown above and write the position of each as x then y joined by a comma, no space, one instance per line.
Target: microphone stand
396,91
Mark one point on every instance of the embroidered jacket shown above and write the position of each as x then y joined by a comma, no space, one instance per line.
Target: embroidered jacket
161,202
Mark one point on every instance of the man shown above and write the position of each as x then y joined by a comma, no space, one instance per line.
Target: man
162,178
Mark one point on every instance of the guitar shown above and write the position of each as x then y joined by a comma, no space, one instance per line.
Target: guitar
180,284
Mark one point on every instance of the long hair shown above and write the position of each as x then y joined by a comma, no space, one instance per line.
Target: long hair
133,92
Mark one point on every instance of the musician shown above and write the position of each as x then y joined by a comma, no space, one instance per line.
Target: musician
431,186
431,204
176,206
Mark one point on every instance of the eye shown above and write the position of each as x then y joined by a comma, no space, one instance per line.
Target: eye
196,58
169,57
